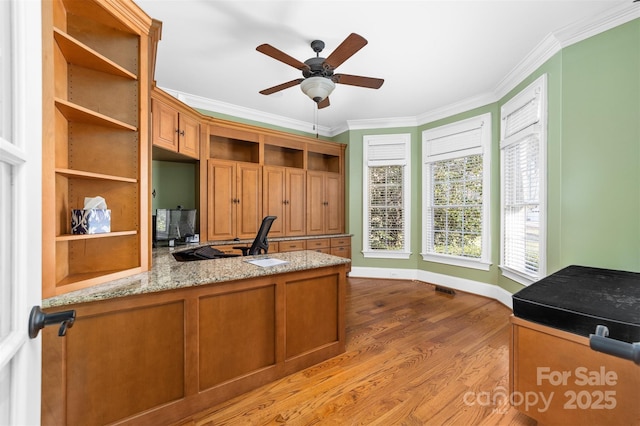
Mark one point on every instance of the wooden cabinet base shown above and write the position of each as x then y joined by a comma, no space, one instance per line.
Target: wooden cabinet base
160,357
557,379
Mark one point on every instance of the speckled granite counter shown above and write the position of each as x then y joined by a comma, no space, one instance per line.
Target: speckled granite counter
168,274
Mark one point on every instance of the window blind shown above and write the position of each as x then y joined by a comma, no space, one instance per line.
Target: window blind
456,192
522,149
386,160
521,192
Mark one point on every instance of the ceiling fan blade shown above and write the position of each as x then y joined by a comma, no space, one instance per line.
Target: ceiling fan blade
357,80
279,55
323,104
282,86
345,50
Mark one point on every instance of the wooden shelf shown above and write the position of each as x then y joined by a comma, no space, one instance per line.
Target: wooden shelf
79,174
75,237
73,112
86,279
95,119
80,54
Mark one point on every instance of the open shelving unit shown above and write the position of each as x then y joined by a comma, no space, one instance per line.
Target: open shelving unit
95,139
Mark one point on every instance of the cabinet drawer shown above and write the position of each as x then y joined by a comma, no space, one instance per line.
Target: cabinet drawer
325,250
341,251
292,246
319,243
340,241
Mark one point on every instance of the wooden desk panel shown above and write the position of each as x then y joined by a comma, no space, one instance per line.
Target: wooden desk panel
159,357
557,379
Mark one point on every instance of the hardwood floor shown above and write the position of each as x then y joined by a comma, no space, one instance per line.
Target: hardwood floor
414,357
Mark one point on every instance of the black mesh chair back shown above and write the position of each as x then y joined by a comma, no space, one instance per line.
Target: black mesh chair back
260,244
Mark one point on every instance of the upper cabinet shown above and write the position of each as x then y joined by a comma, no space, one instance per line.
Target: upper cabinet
95,133
174,127
286,163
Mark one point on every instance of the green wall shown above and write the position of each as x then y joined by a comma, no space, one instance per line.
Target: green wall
174,184
593,163
600,176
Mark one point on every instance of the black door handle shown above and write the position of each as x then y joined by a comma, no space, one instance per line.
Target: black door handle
39,320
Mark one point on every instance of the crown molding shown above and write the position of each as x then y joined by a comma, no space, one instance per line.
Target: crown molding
456,108
549,46
220,107
382,123
605,20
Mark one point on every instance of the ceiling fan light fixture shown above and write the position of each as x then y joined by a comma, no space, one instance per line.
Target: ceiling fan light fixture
317,88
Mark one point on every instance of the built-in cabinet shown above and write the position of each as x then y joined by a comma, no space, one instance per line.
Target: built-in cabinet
248,172
174,128
95,133
284,196
324,203
234,200
302,183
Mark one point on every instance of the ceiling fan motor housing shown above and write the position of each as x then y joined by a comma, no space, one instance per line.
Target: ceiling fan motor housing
317,67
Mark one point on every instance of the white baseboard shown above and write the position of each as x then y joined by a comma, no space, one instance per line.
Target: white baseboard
462,284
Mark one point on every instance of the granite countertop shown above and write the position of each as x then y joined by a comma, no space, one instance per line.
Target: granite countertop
169,274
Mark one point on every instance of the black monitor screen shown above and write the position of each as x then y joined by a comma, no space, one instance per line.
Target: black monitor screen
182,223
175,224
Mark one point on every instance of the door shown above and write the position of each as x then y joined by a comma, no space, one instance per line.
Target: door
249,195
296,190
20,208
274,198
222,200
165,126
315,203
189,136
334,211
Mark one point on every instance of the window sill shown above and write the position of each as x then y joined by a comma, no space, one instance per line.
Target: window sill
518,277
386,254
456,261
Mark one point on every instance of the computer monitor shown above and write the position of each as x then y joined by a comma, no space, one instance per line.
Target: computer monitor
175,224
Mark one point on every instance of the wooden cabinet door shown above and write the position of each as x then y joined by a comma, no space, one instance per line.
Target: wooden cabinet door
221,187
315,203
249,196
189,143
274,198
324,203
334,215
295,197
165,126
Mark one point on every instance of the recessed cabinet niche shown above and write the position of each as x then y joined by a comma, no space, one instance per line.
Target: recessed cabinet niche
95,98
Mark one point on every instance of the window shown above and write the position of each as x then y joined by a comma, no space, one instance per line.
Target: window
386,197
523,184
456,176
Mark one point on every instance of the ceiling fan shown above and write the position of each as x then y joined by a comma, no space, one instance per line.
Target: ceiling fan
319,78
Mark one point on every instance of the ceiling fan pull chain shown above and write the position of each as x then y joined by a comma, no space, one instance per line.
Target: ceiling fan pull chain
315,120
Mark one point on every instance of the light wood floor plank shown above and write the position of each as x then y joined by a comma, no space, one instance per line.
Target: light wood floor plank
414,357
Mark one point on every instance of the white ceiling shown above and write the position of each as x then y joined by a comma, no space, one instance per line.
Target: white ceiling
431,54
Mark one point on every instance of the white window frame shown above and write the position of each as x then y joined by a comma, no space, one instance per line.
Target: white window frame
434,150
400,145
534,126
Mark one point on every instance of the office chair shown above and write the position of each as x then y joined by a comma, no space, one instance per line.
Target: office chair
260,244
